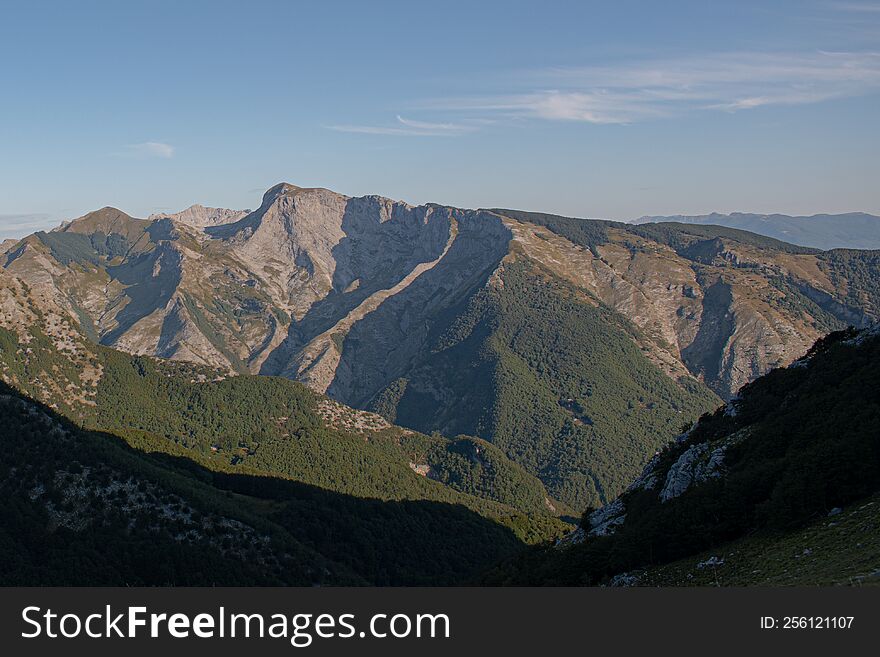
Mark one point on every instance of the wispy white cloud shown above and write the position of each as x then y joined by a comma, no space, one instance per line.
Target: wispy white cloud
17,225
151,149
440,128
408,128
632,92
858,7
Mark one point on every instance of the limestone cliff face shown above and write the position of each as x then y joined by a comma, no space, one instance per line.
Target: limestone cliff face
720,310
310,244
340,292
377,303
384,343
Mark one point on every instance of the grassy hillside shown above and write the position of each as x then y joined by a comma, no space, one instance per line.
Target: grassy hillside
840,549
679,236
588,233
854,230
343,491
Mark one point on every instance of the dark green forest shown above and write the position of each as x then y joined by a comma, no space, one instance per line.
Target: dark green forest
807,441
179,453
572,397
171,473
84,508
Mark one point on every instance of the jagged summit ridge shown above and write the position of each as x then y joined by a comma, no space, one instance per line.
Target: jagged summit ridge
439,317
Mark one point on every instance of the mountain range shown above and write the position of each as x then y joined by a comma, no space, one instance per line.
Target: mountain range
333,390
145,471
573,346
852,230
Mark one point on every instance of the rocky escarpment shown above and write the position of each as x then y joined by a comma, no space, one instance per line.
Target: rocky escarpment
724,307
459,320
386,342
344,259
279,289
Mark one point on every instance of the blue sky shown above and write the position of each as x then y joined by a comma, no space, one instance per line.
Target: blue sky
599,109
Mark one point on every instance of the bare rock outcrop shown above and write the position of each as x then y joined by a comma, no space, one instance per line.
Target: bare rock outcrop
199,216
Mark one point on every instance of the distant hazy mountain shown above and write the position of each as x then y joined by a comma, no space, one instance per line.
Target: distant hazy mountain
855,230
574,346
201,217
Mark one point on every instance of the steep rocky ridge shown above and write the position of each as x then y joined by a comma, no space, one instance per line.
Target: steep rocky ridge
723,304
411,311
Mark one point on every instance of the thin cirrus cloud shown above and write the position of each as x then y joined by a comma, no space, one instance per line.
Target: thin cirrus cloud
731,82
857,7
640,91
151,149
15,225
408,128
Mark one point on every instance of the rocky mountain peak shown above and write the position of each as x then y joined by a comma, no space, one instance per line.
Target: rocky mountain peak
275,191
287,190
200,216
103,220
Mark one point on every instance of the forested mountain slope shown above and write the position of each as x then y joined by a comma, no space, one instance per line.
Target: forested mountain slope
793,447
378,503
83,508
506,325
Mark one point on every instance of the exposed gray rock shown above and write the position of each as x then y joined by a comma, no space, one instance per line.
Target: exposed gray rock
624,580
711,562
697,464
871,332
199,216
649,478
606,520
731,408
576,537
